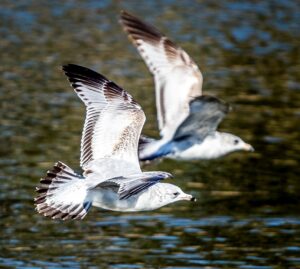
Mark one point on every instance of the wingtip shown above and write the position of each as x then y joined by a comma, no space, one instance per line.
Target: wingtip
123,16
76,73
73,67
125,13
64,67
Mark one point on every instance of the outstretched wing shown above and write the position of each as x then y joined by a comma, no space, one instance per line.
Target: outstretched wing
206,113
177,78
113,119
134,184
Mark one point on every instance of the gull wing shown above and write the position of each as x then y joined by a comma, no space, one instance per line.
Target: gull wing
206,113
134,184
113,119
177,78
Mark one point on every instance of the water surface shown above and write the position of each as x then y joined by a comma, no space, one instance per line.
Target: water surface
247,214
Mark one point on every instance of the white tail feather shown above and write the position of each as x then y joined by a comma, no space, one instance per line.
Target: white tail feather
62,194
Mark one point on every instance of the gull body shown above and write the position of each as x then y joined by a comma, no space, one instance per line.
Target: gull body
153,198
112,177
213,146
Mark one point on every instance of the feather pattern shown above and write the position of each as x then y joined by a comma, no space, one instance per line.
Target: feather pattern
177,78
113,119
60,194
134,184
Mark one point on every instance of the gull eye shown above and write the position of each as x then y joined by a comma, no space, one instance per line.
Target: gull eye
176,193
236,141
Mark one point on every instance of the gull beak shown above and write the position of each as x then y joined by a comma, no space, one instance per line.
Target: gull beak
248,147
188,197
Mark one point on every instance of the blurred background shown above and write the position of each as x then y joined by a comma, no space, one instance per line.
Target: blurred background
247,214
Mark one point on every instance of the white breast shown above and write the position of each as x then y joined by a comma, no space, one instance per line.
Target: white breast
210,148
150,199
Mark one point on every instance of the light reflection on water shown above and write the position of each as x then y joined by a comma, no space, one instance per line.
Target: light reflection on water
247,214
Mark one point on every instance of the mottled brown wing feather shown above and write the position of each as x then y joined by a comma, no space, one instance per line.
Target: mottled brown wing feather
113,121
177,78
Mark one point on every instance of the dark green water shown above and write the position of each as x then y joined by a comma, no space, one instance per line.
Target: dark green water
248,210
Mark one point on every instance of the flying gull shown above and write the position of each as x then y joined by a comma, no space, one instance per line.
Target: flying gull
112,177
187,120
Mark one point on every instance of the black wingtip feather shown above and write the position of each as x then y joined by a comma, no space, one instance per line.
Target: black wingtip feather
81,76
77,72
139,29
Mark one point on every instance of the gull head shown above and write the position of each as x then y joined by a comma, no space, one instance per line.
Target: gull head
232,143
170,193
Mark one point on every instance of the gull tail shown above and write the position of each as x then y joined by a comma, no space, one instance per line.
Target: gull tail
62,194
154,149
144,141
